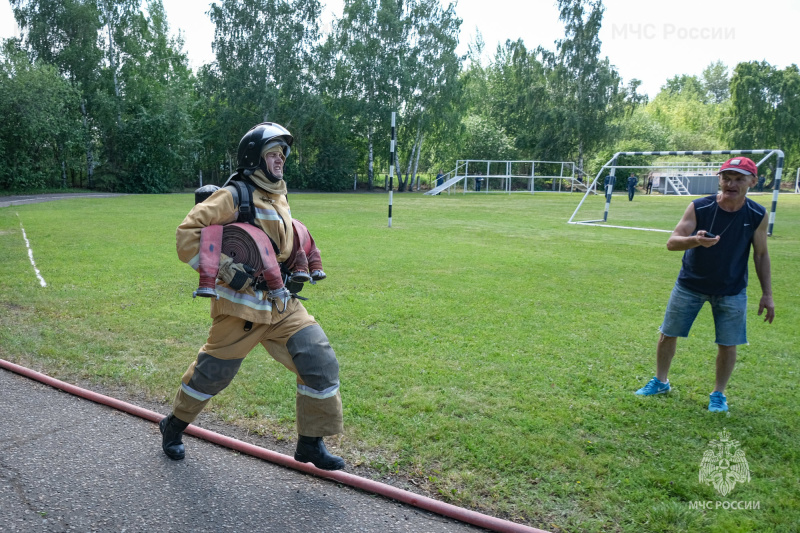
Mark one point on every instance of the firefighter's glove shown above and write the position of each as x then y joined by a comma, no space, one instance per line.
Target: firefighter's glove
239,276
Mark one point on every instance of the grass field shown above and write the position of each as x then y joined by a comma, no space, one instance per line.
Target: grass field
489,350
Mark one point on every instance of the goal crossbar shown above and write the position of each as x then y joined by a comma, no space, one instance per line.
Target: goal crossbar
613,166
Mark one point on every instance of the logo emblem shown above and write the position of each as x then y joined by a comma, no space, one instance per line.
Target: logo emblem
736,162
724,464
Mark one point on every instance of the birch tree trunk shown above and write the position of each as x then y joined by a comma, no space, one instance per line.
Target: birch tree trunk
370,167
89,153
405,182
415,177
397,165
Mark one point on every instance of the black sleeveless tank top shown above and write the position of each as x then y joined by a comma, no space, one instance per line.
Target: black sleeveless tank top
721,269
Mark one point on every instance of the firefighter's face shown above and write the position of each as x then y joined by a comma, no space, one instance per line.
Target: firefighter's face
274,162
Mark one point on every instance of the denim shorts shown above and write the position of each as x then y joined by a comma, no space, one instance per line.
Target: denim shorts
730,315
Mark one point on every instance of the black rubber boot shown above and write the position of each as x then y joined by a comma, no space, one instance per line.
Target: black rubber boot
312,450
172,430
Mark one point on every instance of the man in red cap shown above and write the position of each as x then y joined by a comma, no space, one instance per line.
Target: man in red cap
716,233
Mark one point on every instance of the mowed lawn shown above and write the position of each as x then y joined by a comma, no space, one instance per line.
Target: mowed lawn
489,350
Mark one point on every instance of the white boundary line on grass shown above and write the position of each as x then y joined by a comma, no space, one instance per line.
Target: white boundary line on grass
592,223
42,282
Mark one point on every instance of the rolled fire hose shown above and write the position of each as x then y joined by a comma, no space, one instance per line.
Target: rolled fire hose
244,244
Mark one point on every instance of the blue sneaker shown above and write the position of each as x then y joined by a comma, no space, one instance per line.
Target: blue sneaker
717,403
654,386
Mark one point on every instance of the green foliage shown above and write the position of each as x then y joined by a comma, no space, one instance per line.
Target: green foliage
519,88
133,88
587,87
150,140
691,123
687,114
765,108
40,128
551,105
484,139
716,82
129,115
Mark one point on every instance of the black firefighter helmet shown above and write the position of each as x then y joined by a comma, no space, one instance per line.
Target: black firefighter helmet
254,141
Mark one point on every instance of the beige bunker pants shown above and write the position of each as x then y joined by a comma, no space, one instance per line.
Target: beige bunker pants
296,341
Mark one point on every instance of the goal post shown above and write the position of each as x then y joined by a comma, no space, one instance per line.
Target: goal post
610,169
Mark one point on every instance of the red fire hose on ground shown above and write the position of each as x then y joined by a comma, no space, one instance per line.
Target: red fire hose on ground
400,495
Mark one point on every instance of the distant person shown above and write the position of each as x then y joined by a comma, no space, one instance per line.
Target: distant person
716,233
439,179
649,185
761,180
478,181
632,181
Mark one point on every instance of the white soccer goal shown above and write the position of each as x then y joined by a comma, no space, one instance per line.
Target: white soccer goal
694,179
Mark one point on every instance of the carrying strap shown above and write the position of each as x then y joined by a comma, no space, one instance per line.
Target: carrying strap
242,193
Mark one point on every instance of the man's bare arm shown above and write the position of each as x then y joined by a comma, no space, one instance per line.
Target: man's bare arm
763,269
682,238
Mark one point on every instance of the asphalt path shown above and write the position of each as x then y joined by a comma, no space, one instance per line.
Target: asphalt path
69,464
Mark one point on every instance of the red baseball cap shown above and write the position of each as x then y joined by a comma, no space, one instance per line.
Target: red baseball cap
743,165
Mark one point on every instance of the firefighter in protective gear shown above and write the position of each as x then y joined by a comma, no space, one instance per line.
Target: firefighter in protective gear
246,317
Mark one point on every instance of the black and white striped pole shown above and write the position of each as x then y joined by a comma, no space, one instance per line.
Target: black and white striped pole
610,188
391,169
776,189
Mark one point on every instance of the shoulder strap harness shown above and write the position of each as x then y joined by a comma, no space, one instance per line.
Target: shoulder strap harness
242,193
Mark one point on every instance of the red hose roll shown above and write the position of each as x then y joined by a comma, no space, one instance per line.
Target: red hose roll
249,245
243,243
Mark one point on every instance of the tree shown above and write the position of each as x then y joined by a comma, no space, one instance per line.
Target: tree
716,82
152,131
133,81
368,48
686,85
430,99
263,72
40,130
765,108
683,109
586,86
65,34
519,95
